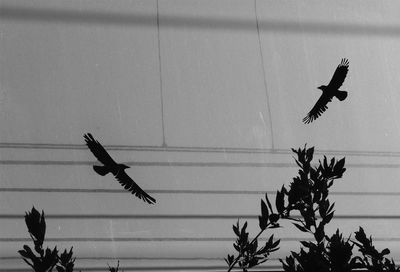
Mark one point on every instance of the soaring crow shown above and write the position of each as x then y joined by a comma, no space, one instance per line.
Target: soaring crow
330,91
118,170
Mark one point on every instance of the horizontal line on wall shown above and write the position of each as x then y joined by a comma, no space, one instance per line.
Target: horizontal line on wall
135,258
263,267
155,239
191,164
140,163
184,216
206,192
172,239
157,268
131,216
197,149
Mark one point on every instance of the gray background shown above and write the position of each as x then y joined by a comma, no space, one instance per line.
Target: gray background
205,106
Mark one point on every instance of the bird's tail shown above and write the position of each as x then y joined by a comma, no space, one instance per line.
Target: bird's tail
101,170
341,95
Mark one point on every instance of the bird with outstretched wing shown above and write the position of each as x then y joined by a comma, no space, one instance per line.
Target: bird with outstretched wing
118,170
329,91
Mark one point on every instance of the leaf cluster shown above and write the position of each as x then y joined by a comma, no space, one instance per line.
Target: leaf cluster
372,259
308,195
44,260
250,254
335,256
306,204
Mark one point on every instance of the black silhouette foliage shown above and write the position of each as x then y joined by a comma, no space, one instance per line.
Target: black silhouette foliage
340,253
308,195
65,262
306,204
36,227
372,259
250,254
44,260
42,263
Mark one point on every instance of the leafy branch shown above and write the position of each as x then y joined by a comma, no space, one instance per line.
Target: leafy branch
44,260
306,204
307,195
250,254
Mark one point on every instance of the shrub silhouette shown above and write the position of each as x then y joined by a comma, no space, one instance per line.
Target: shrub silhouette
45,259
304,202
307,196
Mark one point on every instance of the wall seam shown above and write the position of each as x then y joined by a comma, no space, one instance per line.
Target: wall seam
264,77
164,144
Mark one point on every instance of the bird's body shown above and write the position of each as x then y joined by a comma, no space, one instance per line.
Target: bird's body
117,169
329,92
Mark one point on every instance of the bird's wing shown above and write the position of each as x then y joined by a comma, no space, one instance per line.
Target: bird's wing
98,150
131,186
318,109
339,75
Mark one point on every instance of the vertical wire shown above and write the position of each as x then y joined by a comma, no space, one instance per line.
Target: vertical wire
164,144
265,77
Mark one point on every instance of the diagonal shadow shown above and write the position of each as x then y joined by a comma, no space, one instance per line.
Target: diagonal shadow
200,22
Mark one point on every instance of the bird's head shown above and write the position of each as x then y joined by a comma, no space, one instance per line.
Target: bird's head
124,166
322,87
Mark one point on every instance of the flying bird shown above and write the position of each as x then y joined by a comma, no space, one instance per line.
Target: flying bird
329,91
118,170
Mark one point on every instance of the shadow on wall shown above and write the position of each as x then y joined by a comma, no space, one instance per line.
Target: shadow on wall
108,18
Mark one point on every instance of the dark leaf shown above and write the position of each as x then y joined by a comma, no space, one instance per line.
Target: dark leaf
280,201
269,203
300,227
236,228
264,210
243,231
328,218
384,252
310,153
262,222
274,218
339,165
229,259
306,244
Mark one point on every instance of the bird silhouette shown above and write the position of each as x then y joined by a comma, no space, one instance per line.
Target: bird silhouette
118,170
329,91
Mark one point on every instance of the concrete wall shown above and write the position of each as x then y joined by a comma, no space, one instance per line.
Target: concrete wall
204,106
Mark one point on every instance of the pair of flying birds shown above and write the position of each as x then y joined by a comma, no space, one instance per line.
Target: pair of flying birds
118,170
